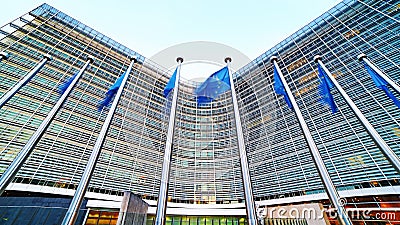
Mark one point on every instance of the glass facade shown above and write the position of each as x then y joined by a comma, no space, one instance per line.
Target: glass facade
110,218
225,220
280,161
205,166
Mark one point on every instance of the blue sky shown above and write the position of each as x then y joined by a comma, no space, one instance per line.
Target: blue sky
148,27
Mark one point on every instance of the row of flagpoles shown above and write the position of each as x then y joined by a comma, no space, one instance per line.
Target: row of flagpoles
282,88
113,94
218,83
327,82
221,81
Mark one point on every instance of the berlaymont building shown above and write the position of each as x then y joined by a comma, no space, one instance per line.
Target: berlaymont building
265,150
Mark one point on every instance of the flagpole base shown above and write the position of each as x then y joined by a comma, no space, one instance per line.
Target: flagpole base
361,56
273,58
4,55
317,57
179,60
228,59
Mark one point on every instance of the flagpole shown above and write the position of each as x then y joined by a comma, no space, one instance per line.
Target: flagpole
386,150
76,202
163,192
330,189
248,190
7,96
23,155
363,57
3,55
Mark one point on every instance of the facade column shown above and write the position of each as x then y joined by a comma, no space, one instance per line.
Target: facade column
248,190
163,192
330,189
386,150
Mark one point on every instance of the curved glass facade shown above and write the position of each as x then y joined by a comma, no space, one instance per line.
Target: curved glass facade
205,159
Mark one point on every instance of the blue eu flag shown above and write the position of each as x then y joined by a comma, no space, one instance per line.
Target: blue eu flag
171,84
324,89
214,86
111,92
63,87
279,89
381,84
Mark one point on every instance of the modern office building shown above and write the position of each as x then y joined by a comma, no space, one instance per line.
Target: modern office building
205,179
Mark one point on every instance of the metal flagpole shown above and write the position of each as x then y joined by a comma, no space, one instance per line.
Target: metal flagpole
76,202
7,96
3,55
363,57
318,161
163,192
248,190
23,155
393,158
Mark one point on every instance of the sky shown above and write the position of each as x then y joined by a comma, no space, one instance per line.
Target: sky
147,27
